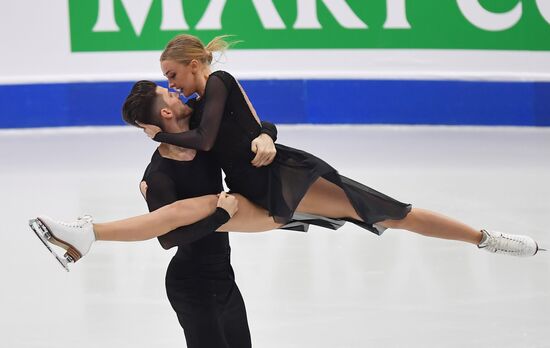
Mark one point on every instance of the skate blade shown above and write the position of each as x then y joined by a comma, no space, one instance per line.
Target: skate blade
539,248
40,230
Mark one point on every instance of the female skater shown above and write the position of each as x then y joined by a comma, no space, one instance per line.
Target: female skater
296,182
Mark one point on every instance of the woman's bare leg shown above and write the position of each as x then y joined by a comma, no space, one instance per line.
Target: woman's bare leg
158,222
323,198
327,199
431,224
249,218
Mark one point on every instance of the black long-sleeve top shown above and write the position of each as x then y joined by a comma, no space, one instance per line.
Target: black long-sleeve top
171,180
226,126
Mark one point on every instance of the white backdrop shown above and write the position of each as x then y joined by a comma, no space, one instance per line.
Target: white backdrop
36,48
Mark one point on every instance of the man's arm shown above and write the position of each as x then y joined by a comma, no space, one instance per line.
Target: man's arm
161,191
248,218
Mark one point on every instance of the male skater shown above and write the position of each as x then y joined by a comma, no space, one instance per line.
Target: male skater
200,282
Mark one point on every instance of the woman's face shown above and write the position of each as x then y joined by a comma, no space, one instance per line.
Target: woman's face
180,76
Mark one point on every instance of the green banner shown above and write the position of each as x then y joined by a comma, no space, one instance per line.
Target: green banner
140,25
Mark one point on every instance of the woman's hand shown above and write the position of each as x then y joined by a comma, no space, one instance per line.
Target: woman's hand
149,129
228,203
265,151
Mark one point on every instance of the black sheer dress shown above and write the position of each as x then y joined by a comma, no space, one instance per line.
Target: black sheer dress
226,126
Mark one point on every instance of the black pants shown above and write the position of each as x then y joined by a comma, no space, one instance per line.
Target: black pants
209,306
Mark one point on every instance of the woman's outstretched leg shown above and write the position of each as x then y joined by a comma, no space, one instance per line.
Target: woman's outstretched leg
158,222
327,199
431,224
77,237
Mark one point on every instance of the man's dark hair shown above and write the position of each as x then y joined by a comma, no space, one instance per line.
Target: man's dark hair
142,103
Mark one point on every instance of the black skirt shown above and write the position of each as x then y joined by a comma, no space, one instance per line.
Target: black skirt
280,187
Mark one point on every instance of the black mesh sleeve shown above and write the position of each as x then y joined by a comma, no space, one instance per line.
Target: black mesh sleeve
269,129
204,136
160,192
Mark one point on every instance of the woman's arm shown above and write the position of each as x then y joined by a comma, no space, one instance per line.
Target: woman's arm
270,129
264,145
204,136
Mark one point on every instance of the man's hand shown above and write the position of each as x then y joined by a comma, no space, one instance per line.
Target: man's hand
265,151
149,129
228,203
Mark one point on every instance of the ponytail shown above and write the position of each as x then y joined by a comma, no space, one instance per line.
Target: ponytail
184,48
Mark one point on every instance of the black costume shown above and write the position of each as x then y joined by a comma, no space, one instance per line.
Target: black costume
227,126
200,282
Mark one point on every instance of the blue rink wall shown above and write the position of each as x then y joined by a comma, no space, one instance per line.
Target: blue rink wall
302,101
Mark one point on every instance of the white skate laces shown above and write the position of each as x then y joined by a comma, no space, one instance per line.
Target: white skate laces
74,237
80,222
508,244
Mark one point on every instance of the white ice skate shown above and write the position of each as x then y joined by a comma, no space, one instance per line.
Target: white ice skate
76,237
508,244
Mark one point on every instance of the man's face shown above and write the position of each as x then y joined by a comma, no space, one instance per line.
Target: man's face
173,102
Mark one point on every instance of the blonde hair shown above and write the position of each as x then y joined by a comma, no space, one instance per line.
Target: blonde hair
184,48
